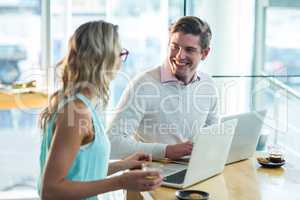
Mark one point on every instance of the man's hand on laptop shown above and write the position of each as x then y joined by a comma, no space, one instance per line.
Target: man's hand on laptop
179,150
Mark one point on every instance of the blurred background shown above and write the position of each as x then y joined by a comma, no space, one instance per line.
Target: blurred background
254,59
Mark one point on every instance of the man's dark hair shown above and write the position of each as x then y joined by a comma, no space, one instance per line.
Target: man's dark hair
193,25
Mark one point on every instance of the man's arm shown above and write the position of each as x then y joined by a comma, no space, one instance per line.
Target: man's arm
127,118
213,115
123,124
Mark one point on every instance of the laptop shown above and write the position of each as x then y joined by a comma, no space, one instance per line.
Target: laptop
210,151
246,135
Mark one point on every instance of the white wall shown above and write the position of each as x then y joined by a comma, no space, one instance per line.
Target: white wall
232,24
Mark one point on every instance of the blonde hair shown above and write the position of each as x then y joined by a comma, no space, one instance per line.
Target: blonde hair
93,58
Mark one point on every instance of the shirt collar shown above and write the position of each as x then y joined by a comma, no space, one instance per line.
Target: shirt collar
166,76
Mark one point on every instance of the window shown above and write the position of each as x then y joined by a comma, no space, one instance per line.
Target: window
143,29
66,16
144,33
20,61
281,49
277,56
230,59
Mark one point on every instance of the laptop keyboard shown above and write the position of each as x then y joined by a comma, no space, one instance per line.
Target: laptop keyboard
172,168
167,171
176,178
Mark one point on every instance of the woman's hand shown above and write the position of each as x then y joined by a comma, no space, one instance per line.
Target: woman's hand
136,160
138,180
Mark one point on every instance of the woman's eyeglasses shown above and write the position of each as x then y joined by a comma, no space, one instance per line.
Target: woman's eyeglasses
124,54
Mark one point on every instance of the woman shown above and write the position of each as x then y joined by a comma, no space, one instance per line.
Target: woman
75,151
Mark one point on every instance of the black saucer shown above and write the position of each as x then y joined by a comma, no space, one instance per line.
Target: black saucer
265,162
192,195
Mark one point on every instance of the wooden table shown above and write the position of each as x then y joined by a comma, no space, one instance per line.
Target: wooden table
245,180
23,100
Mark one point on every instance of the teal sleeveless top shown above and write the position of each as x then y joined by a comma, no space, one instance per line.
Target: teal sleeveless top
91,161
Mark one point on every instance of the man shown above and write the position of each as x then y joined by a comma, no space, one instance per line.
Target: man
163,108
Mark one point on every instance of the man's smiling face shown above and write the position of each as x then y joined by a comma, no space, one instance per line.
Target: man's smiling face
184,55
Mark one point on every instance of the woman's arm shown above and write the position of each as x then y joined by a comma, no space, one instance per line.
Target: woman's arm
133,161
116,166
67,139
72,126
